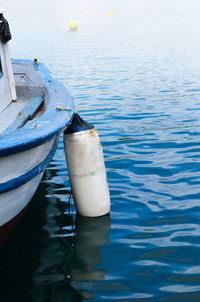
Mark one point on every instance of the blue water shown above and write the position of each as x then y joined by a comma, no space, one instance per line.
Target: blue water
136,76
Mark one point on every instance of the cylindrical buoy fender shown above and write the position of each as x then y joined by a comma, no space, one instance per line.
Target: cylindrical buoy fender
86,169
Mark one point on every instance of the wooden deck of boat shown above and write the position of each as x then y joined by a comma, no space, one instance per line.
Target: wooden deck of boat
10,113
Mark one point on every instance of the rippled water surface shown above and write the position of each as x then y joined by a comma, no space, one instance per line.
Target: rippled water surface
136,76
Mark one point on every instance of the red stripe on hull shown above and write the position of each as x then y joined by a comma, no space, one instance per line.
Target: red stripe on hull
7,228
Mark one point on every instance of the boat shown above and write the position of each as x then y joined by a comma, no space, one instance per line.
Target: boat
35,108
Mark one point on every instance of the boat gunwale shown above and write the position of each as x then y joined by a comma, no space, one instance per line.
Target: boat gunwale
48,124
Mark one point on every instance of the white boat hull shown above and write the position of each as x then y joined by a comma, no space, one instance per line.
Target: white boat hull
13,202
13,166
20,176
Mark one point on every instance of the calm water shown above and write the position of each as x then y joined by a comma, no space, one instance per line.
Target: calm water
136,76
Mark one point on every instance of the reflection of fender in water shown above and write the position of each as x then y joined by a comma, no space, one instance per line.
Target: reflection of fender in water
87,173
91,234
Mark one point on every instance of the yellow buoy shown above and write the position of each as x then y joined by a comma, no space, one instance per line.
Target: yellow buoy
73,25
108,14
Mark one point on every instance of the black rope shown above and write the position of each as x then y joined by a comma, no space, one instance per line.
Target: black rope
69,204
5,34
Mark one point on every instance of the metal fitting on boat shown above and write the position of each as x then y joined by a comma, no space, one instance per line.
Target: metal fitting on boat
35,62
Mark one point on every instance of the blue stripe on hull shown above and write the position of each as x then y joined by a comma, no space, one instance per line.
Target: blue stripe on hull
24,178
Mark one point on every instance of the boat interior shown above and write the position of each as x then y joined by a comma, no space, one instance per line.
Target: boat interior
29,103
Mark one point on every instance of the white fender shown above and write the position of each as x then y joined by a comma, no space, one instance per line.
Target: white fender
87,173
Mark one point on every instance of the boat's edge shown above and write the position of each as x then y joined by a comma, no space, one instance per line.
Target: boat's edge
51,122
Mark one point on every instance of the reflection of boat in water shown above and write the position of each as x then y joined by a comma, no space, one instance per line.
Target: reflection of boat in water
31,265
37,264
